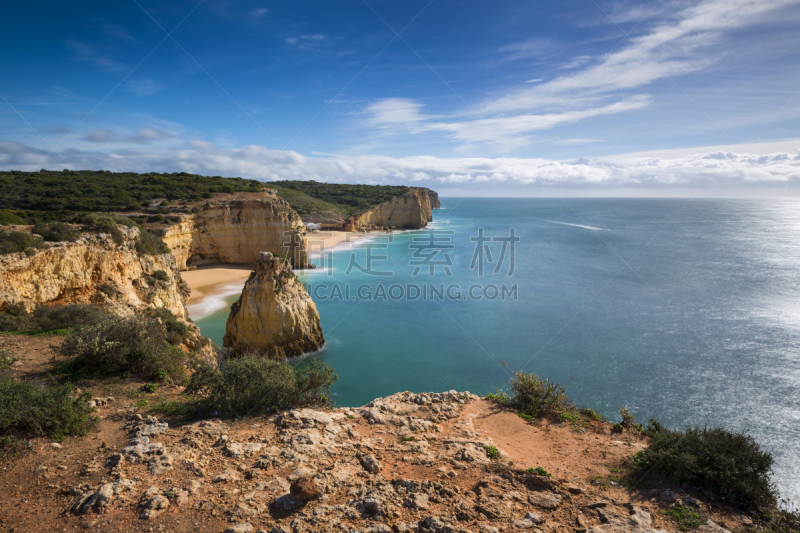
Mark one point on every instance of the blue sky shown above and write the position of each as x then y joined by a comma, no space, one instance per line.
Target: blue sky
584,97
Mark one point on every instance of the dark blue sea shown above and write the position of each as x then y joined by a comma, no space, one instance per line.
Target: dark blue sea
684,311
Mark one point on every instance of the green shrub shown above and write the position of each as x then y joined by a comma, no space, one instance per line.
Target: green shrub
150,387
539,471
8,218
156,218
56,232
491,451
160,275
591,414
250,385
149,243
47,318
117,345
17,241
176,330
54,411
534,396
730,464
628,420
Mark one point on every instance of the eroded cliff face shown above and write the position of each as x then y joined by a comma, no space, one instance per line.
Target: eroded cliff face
409,211
236,232
274,316
94,270
434,198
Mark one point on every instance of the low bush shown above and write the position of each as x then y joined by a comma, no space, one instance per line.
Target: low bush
730,464
539,471
149,243
533,396
160,275
176,330
131,345
46,318
54,411
56,232
249,385
491,451
32,409
17,241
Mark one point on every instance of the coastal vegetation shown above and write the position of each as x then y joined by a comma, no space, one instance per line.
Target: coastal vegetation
250,385
727,463
312,197
48,195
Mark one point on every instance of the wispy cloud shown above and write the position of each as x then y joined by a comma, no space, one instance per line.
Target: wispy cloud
89,54
309,42
112,30
259,12
144,86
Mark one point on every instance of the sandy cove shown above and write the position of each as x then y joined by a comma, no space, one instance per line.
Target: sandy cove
215,280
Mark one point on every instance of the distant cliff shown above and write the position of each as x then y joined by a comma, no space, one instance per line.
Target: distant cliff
408,211
274,316
434,197
237,231
94,270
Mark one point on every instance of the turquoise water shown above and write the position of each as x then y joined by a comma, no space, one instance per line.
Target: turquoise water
684,311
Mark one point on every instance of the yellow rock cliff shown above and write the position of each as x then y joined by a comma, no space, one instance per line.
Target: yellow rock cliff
94,270
274,316
236,232
408,211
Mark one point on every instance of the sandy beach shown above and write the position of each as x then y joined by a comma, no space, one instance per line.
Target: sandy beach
210,284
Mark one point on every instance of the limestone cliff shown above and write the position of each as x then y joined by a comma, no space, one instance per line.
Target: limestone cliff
94,270
237,231
274,316
434,197
408,211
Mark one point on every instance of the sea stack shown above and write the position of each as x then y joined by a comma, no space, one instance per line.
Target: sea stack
274,317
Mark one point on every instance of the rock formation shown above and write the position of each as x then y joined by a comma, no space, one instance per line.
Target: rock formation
434,198
274,316
94,270
409,211
414,463
237,231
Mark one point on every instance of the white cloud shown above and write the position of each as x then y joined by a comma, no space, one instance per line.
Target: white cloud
259,12
718,170
393,112
506,130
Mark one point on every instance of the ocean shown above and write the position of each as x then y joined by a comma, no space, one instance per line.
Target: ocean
684,311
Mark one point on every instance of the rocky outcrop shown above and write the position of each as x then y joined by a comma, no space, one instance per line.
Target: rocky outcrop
94,270
413,463
274,316
237,231
434,198
408,211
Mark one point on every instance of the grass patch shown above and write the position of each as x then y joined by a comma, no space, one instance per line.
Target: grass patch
685,517
179,407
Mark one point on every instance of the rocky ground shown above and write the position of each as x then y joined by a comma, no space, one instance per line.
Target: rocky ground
409,462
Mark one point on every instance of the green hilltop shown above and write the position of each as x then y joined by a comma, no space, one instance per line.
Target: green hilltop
47,195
